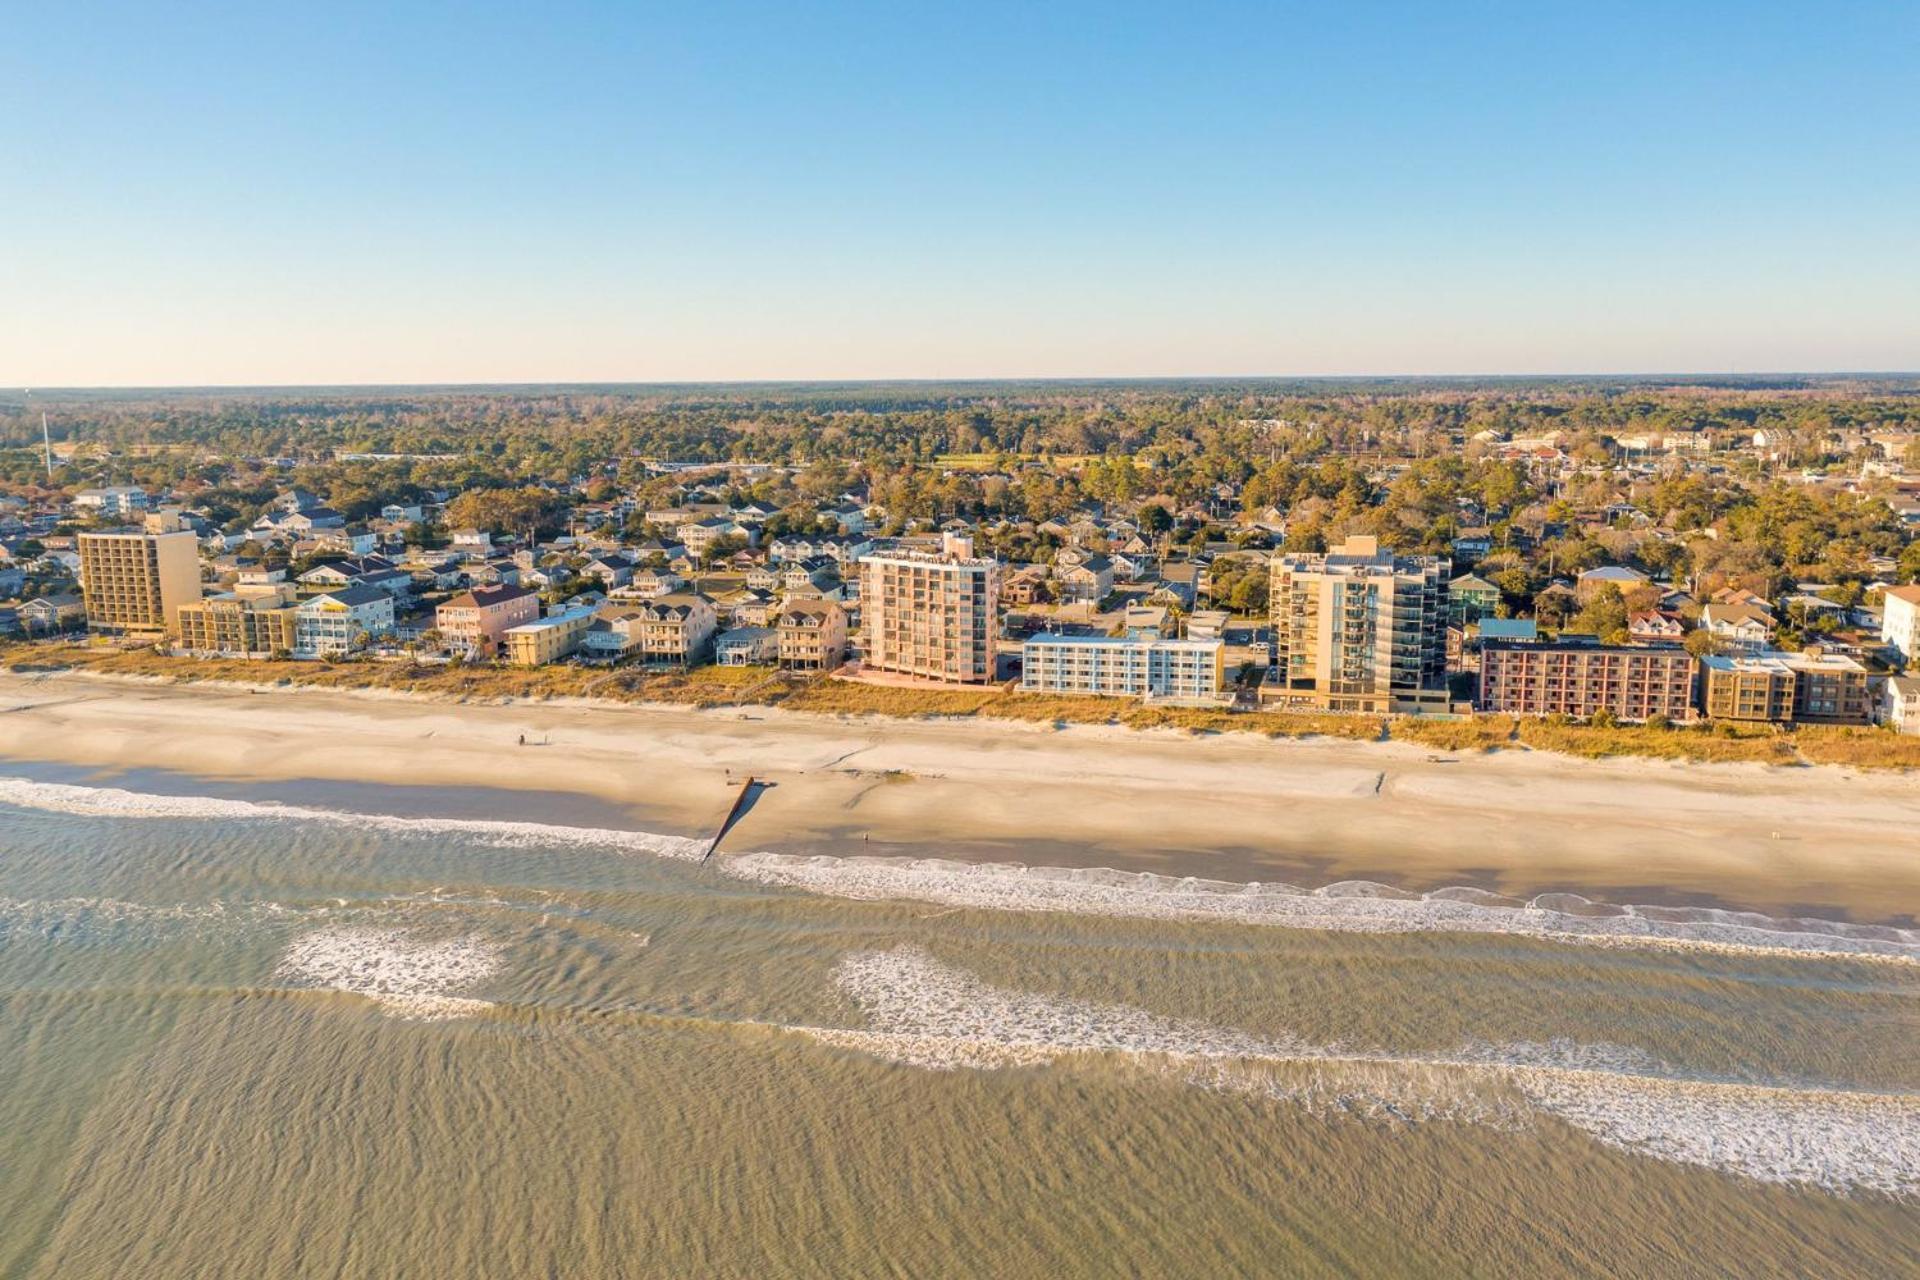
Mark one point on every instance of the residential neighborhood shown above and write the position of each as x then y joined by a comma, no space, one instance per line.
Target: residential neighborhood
1559,574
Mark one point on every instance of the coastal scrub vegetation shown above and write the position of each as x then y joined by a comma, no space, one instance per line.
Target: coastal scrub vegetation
714,687
1721,744
1480,733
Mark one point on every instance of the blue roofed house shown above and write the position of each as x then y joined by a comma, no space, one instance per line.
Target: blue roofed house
1509,629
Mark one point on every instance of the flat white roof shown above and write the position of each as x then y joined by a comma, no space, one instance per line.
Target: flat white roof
1050,638
545,624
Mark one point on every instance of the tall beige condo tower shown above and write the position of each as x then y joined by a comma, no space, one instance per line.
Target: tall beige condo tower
933,615
133,581
1359,629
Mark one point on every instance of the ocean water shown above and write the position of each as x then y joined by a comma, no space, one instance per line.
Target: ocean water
311,1031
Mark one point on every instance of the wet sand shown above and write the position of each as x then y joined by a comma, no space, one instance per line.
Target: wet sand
1816,841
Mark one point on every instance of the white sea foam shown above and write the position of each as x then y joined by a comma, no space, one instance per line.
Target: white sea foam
410,977
936,1016
1560,1052
79,919
1356,906
1349,906
924,1013
1831,1139
115,802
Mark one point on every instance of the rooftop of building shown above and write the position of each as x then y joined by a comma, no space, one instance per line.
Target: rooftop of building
1812,660
1577,644
134,531
1138,642
1358,555
551,622
482,597
924,558
353,596
1509,629
809,610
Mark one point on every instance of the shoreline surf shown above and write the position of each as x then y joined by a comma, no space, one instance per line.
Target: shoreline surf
1822,843
1345,906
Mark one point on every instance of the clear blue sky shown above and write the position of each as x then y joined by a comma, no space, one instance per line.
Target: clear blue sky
337,192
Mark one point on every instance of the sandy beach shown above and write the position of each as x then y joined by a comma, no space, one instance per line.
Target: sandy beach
1815,841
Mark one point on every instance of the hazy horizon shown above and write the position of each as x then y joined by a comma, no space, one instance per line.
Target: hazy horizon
1705,379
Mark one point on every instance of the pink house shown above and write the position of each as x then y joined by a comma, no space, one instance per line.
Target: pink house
475,620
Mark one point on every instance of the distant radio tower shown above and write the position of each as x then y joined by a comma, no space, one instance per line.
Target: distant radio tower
46,440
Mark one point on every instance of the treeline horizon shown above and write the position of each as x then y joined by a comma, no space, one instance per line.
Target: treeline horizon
923,454
924,392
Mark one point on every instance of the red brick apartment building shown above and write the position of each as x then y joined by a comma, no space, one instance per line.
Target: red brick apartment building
1578,678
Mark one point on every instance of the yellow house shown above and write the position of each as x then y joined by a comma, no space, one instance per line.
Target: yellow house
533,644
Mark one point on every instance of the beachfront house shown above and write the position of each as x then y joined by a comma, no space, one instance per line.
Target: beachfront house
676,629
747,647
1900,704
335,622
548,639
812,635
473,622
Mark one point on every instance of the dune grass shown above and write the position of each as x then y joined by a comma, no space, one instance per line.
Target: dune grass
1481,733
1722,744
1061,709
711,686
848,697
1271,724
1858,748
706,686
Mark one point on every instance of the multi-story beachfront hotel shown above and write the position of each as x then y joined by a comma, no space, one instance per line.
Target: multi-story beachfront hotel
134,580
1123,667
255,621
933,615
1786,688
1571,678
1359,629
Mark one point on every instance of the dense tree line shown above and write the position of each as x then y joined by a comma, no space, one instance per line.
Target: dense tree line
1399,460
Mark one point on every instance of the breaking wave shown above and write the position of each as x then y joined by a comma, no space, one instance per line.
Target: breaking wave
1353,906
88,919
114,802
409,977
921,1012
